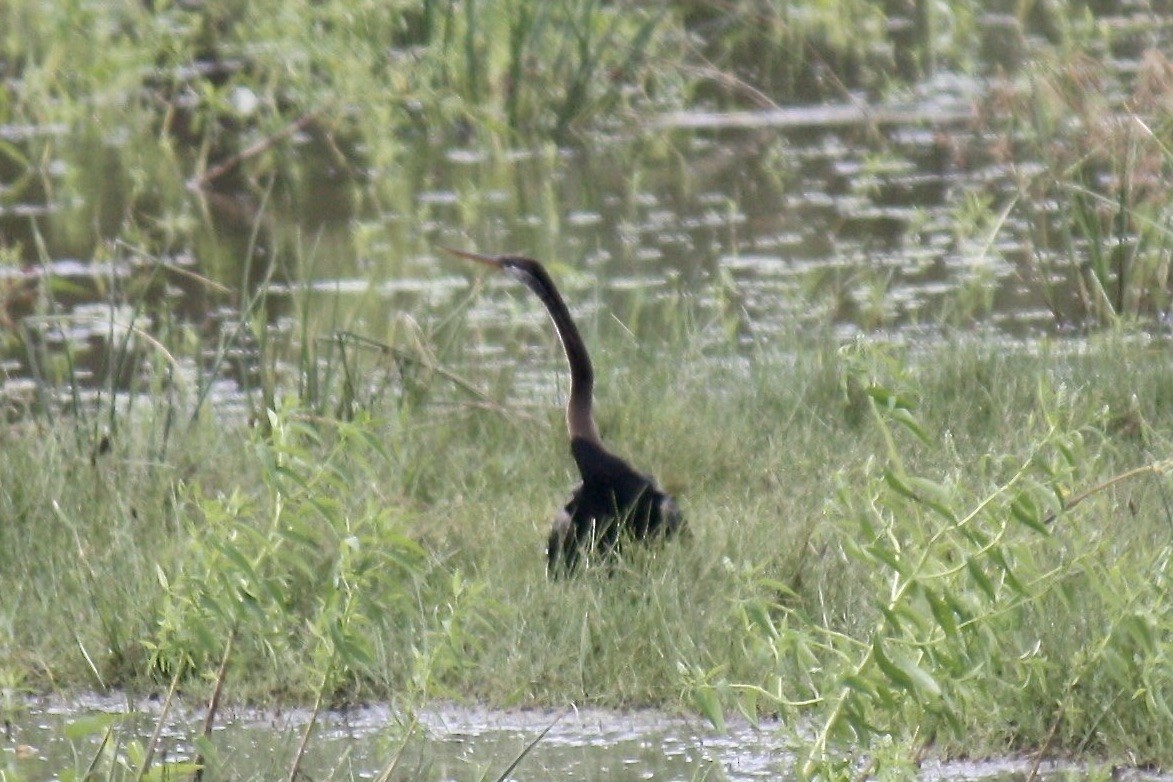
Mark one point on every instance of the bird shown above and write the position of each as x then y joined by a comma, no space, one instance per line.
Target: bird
614,500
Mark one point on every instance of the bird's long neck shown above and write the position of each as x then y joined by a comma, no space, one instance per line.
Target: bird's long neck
580,420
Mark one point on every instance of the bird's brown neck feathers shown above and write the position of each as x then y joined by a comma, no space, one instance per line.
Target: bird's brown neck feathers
580,420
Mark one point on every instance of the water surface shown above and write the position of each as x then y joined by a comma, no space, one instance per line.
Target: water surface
449,742
894,218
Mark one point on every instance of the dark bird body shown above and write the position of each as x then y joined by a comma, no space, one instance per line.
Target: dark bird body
614,500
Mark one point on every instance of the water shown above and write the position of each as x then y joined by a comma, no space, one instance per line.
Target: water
759,227
455,743
894,219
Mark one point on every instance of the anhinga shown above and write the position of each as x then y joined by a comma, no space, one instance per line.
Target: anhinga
614,500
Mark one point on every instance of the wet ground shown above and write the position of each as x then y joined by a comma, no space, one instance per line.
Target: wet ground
457,743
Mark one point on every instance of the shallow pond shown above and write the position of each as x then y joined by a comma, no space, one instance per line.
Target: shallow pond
452,743
898,218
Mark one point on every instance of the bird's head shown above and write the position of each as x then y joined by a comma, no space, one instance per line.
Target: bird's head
527,270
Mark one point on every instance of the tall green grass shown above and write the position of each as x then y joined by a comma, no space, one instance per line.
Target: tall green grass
388,71
1097,199
885,549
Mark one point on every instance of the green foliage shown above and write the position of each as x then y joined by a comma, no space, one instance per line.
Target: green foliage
195,75
296,575
977,607
1098,198
117,757
922,547
367,65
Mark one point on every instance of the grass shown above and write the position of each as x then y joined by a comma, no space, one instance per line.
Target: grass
398,556
1105,188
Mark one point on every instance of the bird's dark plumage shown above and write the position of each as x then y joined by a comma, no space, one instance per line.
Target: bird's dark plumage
613,500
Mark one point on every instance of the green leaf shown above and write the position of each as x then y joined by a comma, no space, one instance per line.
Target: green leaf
981,579
913,612
14,155
859,684
897,481
905,418
889,399
998,557
930,493
944,615
852,549
890,670
64,287
893,618
709,705
922,679
1136,628
135,754
886,555
373,443
90,725
1027,511
803,654
238,559
1156,700
759,617
905,673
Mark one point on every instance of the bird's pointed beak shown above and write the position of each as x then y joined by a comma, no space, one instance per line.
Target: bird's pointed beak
488,260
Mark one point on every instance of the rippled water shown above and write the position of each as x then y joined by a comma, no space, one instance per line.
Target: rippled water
891,218
459,743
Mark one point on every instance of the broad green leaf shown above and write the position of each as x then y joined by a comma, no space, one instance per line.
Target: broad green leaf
893,672
889,399
921,678
90,724
709,705
904,672
1027,511
980,578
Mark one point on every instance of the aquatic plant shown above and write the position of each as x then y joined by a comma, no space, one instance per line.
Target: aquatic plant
1093,169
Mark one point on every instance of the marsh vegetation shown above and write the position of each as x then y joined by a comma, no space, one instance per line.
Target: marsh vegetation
907,374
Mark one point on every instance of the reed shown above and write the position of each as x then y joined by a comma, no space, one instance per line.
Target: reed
1099,202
